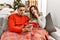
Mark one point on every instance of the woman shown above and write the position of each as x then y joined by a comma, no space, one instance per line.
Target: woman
40,22
37,17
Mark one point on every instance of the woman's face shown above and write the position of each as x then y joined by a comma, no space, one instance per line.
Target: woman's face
33,10
21,10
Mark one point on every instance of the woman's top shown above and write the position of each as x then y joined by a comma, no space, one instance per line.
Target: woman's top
41,21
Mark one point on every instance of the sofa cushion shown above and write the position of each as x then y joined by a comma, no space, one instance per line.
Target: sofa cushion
3,25
49,24
56,35
1,21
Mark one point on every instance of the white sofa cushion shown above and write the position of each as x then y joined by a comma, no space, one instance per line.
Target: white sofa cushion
56,34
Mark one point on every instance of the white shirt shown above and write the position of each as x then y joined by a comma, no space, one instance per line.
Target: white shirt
41,20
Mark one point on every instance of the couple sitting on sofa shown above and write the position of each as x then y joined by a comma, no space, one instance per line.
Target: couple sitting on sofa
21,28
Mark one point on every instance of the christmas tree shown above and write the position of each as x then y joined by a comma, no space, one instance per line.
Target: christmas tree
16,2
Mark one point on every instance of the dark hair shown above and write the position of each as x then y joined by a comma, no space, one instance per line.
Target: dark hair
20,5
32,15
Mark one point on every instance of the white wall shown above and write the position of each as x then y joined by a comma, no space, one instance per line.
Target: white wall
44,6
40,5
53,6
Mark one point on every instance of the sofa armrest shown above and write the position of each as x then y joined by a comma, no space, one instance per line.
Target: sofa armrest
56,34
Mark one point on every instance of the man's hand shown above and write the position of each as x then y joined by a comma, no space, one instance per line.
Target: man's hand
28,28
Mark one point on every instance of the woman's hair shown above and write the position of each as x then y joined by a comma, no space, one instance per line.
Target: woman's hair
31,14
20,5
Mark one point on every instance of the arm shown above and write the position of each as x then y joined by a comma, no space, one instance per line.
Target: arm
42,21
12,27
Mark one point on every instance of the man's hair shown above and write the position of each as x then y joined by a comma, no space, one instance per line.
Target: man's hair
20,5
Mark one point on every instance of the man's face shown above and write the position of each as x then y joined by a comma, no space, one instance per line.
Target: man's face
21,10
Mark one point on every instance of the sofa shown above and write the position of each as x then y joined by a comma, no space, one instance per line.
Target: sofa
3,26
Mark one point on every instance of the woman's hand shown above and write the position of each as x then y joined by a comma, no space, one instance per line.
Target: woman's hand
36,15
